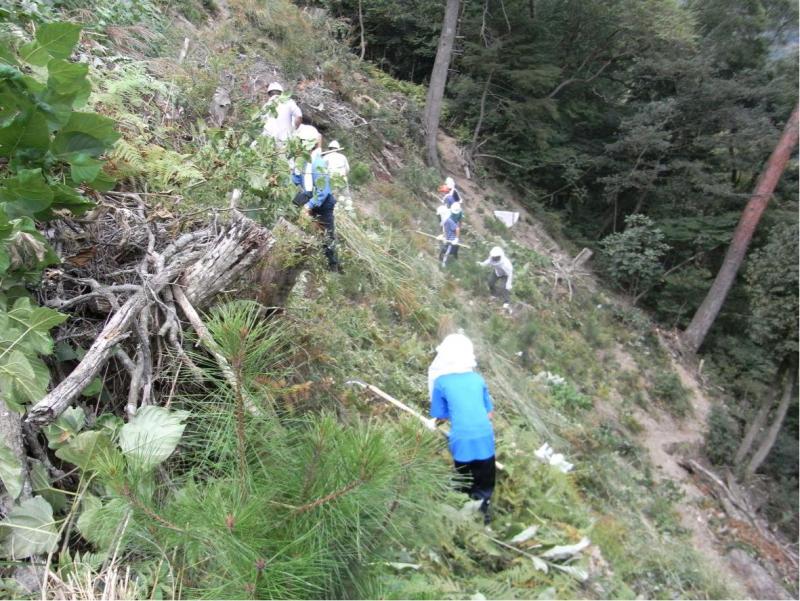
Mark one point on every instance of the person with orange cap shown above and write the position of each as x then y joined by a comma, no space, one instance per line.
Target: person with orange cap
451,195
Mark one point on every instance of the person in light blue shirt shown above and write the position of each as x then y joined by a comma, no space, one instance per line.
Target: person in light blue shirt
460,395
451,230
316,181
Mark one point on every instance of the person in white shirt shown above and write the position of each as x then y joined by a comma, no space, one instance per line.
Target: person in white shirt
502,273
288,117
339,167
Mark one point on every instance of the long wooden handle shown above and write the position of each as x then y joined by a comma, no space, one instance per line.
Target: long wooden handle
400,405
441,239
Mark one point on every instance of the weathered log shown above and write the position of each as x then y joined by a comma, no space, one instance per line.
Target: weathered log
209,264
11,437
116,330
235,250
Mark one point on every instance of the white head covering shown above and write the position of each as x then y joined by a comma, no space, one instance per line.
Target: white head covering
496,252
334,144
455,355
455,208
450,183
274,87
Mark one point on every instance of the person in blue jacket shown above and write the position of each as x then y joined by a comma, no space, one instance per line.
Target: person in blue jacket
315,180
460,395
451,230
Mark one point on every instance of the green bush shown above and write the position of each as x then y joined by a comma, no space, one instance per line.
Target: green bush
566,397
667,389
360,173
632,258
723,436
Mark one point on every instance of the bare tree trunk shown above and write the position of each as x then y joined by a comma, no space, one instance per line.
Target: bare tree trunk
433,102
361,26
11,437
752,431
789,392
481,115
704,317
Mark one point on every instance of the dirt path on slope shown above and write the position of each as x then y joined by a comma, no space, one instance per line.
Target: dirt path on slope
526,231
662,434
667,439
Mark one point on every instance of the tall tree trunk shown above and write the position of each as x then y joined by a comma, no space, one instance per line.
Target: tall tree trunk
752,431
704,317
361,26
473,146
433,102
789,392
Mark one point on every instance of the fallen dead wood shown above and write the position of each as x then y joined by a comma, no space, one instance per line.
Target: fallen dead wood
738,508
140,265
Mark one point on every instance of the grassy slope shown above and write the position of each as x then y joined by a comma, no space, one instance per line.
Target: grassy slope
382,318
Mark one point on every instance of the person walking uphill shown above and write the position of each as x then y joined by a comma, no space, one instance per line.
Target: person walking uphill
339,169
451,195
451,229
288,115
316,183
460,395
502,273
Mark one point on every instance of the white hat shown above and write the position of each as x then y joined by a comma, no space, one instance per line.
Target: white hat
496,252
334,144
308,132
450,183
455,208
274,87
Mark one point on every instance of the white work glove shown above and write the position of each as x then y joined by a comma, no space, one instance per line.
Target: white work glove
454,241
508,285
431,424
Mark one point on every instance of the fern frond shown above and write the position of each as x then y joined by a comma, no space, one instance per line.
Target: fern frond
167,166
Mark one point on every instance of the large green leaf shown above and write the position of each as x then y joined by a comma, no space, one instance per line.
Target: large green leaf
65,197
85,168
28,134
31,529
29,327
65,428
10,471
26,193
68,144
151,436
94,125
88,450
58,39
68,78
16,372
33,53
40,483
99,522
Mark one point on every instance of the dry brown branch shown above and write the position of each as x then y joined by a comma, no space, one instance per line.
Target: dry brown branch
123,259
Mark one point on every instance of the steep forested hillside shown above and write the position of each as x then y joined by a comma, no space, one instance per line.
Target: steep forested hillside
178,405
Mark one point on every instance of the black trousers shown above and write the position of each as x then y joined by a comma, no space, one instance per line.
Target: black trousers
447,249
494,280
479,478
323,215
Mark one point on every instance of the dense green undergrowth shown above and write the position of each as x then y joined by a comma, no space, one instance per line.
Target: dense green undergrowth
324,492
